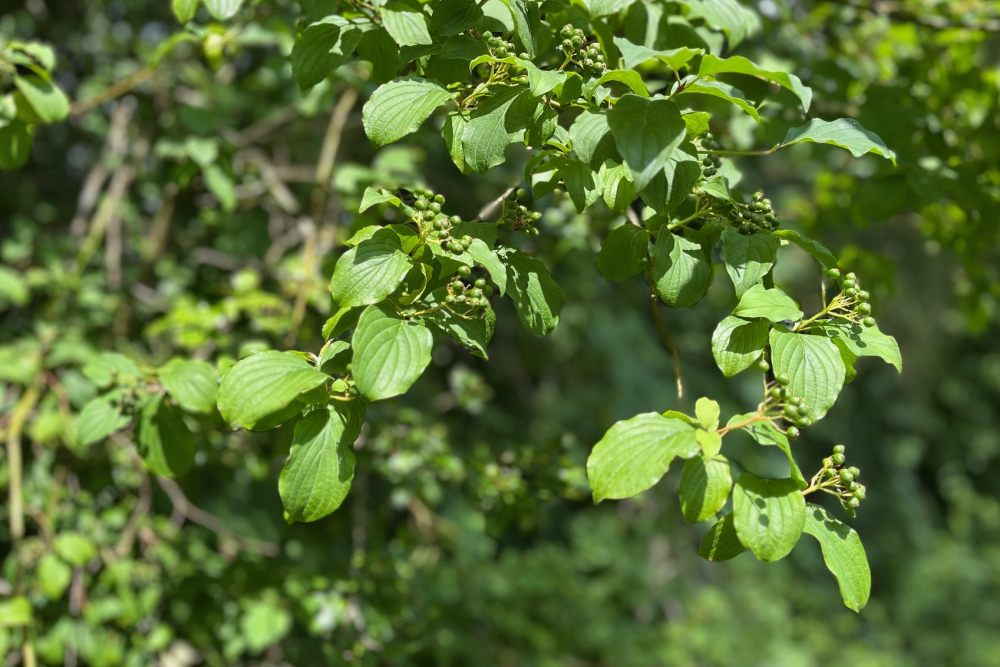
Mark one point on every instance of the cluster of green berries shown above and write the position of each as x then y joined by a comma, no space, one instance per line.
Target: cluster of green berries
755,216
842,480
500,47
474,296
428,212
793,408
518,216
710,162
855,298
587,56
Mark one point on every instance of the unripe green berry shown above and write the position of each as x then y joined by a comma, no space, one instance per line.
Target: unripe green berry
464,271
839,449
853,502
868,322
854,472
792,432
846,477
833,273
848,284
838,459
850,292
859,493
783,379
435,207
862,295
851,276
455,220
420,204
439,199
763,365
488,291
775,392
828,473
480,283
863,309
451,300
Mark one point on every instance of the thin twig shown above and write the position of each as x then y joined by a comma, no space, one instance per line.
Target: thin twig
114,90
324,171
668,340
15,463
183,507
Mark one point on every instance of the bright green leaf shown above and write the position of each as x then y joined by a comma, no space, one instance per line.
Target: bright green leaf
843,553
646,133
814,366
748,257
704,487
264,387
622,252
768,515
771,304
721,543
862,341
407,26
400,107
711,65
164,440
74,548
681,272
54,576
843,132
100,418
370,272
738,343
191,382
536,295
390,352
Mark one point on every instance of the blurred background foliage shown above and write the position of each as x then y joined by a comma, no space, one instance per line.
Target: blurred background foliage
170,221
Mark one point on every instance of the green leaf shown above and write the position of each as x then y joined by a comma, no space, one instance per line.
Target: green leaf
723,91
862,341
635,55
768,515
696,123
718,188
536,295
843,553
317,475
474,334
748,257
814,248
323,47
493,124
813,364
704,487
400,107
370,272
598,8
15,145
185,10
109,367
670,187
223,9
54,576
164,440
407,26
334,357
646,133
681,272
15,612
710,442
707,412
264,387
635,453
454,128
583,184
631,79
541,81
463,47
764,433
711,65
844,132
527,23
721,543
622,252
74,548
221,185
342,320
729,16
390,352
373,197
100,418
772,304
49,103
191,382
737,344
591,137
618,189
480,252
453,17
378,48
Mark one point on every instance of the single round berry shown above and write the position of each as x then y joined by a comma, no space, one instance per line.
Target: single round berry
863,309
455,220
420,204
853,486
868,322
833,273
859,493
846,477
439,199
776,392
436,207
763,365
838,459
451,300
803,422
458,287
464,271
853,502
536,216
848,284
850,292
854,472
839,449
792,432
480,283
851,276
862,295
783,379
791,412
487,291
828,473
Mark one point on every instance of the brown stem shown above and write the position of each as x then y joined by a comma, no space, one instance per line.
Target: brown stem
184,508
668,340
114,90
324,170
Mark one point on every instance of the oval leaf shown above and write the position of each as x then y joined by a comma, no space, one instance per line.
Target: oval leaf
814,365
738,343
704,487
843,553
400,107
681,271
390,352
768,515
260,391
771,304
